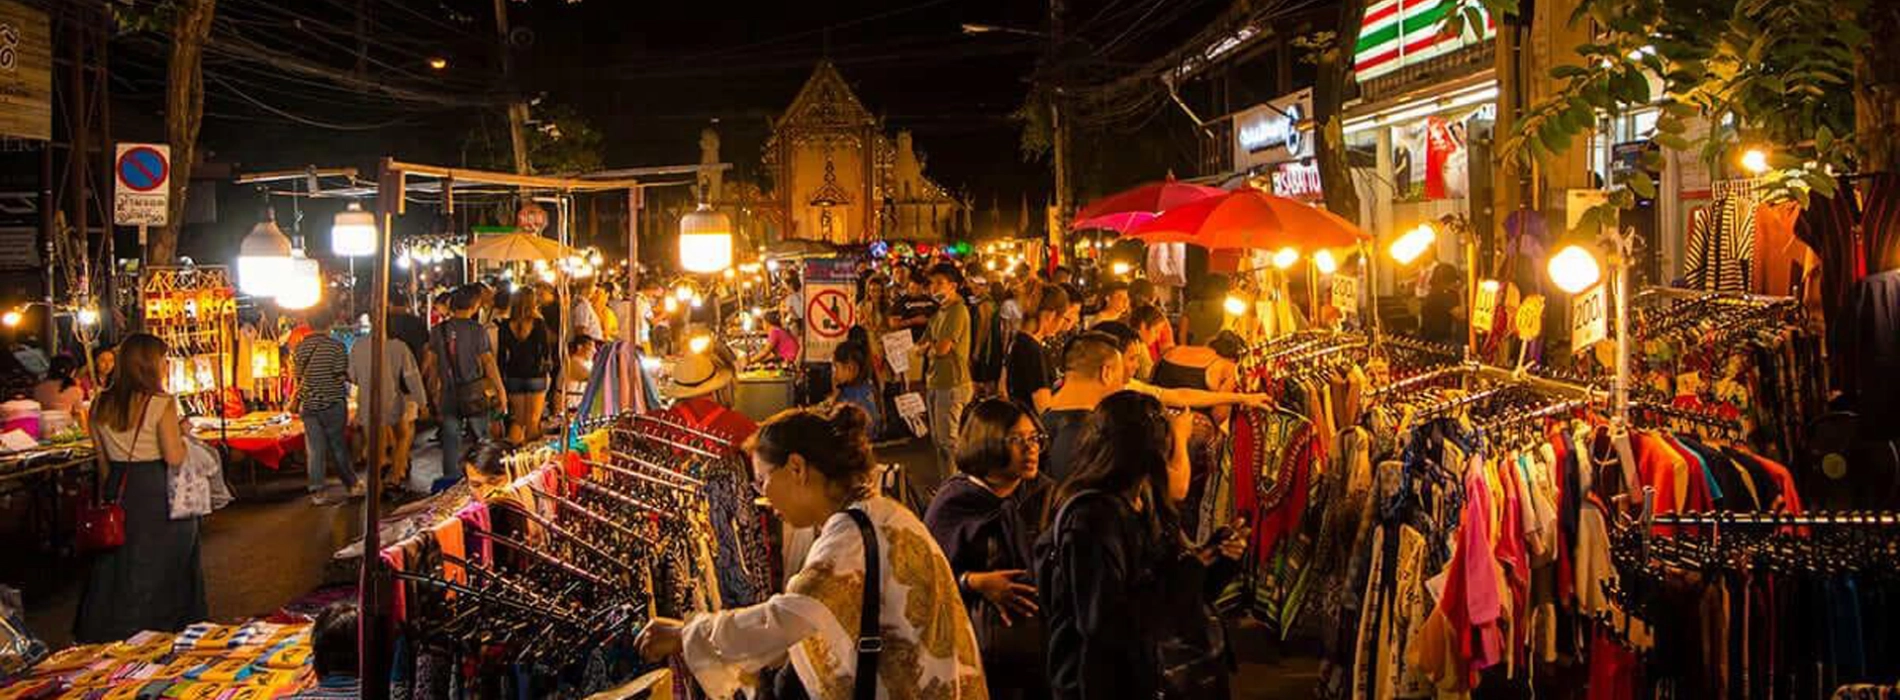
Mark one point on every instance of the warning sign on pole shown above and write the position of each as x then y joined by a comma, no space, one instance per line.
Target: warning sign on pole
830,311
142,196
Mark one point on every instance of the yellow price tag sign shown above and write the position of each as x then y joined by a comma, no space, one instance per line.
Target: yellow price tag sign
1530,318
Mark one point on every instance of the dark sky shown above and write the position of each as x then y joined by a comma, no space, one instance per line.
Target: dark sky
647,74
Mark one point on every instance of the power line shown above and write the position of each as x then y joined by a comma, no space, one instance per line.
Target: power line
307,121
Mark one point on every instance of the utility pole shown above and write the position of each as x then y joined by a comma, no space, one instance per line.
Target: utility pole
1060,222
517,109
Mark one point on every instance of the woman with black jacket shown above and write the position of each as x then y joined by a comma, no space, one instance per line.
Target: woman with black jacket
1123,595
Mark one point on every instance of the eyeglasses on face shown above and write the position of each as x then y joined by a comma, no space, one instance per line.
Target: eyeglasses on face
1036,440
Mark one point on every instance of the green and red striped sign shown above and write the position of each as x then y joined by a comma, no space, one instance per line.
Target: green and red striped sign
1399,33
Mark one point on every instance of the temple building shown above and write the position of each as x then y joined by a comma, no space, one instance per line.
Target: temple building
837,177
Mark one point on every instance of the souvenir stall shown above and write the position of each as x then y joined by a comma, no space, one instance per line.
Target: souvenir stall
256,659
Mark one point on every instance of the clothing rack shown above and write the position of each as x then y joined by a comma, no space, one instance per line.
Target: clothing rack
544,557
722,441
1678,413
1855,518
585,512
655,468
668,441
568,535
629,473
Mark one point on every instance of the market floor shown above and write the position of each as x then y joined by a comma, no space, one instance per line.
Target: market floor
272,547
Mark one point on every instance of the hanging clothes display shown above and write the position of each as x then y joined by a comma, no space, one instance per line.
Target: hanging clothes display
1722,241
539,585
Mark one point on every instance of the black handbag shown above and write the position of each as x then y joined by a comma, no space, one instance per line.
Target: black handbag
781,682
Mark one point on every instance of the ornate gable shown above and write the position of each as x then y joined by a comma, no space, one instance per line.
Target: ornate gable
826,102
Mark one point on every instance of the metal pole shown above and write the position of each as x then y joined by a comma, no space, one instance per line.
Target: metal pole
372,601
1619,269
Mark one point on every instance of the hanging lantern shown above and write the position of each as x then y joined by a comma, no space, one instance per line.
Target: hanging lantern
302,285
354,234
263,258
705,240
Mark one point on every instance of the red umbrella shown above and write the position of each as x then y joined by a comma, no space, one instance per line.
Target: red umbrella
1250,219
1128,209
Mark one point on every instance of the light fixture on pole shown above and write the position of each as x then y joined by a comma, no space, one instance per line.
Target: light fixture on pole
1284,258
354,233
705,240
1412,244
302,286
1574,269
1325,262
263,258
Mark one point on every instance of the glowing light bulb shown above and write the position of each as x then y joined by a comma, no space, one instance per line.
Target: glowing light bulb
88,316
1574,269
683,293
698,344
11,318
1325,262
1755,161
1120,269
1412,244
771,265
1285,258
1234,305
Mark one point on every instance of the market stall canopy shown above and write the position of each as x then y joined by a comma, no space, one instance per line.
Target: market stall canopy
1129,209
516,247
1250,219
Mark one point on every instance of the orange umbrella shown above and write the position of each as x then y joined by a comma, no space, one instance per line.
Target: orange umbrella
1250,219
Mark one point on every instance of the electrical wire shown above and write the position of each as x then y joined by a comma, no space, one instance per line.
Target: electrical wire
307,121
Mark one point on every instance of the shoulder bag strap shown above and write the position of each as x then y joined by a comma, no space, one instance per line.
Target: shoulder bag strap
870,636
138,432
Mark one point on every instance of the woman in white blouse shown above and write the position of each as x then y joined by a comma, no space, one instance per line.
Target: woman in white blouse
814,465
155,580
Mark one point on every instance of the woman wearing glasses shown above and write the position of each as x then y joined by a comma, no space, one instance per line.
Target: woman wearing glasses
986,520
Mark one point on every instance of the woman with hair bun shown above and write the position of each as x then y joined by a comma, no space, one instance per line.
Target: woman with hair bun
814,467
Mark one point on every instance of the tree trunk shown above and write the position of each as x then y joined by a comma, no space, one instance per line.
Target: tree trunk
1329,95
184,115
1877,91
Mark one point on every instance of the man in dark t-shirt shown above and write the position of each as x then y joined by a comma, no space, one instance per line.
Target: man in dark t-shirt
914,309
405,325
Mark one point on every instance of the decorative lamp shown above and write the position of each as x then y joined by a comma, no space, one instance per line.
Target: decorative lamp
354,233
1235,306
1574,269
1412,244
302,285
1323,260
705,240
1285,257
263,258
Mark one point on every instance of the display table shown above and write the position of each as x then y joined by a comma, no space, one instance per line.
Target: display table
761,394
264,437
48,474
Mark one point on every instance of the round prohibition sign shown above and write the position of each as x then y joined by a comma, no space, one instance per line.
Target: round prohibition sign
143,169
830,313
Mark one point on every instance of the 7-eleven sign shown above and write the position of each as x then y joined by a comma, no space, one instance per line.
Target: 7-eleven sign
1399,33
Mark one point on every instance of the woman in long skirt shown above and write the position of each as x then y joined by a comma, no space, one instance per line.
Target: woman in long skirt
154,581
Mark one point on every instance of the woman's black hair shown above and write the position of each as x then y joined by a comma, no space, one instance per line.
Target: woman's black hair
333,640
62,368
486,458
772,318
1146,315
858,334
1124,449
831,439
1121,332
1228,345
983,441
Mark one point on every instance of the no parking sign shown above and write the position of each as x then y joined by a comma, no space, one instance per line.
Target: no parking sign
142,195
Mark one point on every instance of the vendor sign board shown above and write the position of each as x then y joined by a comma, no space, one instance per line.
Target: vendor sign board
1589,318
26,72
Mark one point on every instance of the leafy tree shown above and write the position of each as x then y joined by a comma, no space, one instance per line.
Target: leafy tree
1779,75
189,24
560,141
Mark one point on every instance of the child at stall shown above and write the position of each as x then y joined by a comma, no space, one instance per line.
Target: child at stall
854,382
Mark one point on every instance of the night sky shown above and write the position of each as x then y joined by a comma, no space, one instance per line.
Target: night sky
649,75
